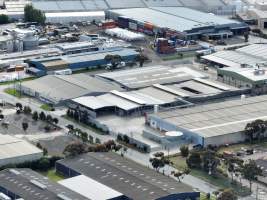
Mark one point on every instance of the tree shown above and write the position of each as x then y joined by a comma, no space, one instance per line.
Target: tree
35,116
4,19
2,116
49,118
233,166
115,60
157,163
33,15
227,194
84,136
42,116
180,174
126,139
255,129
55,120
25,126
27,110
210,162
97,141
43,164
91,139
250,171
74,149
194,160
19,106
184,150
141,59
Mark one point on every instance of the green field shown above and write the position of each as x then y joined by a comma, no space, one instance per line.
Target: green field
46,107
13,92
52,175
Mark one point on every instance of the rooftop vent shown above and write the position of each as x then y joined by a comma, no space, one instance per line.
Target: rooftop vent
38,184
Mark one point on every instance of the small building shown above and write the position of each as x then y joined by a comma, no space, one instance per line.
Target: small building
15,151
127,177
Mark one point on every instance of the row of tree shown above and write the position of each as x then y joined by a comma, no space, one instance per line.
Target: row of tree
76,148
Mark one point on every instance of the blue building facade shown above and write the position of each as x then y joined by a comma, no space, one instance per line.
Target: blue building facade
80,61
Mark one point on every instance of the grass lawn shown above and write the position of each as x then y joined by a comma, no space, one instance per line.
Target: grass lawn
52,175
13,92
46,107
221,182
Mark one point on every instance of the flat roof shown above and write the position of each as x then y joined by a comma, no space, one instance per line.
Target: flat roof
75,14
12,148
216,119
131,179
30,185
63,87
148,76
251,55
181,19
98,191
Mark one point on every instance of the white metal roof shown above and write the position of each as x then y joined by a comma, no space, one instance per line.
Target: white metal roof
75,14
11,147
90,188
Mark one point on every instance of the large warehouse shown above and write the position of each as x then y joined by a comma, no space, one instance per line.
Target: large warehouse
80,60
186,22
14,150
147,76
56,89
216,123
127,177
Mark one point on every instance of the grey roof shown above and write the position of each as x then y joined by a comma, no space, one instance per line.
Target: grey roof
133,180
181,19
64,87
147,76
68,5
251,55
125,3
218,118
164,3
30,185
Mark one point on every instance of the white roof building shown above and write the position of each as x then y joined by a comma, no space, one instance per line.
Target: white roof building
14,150
90,188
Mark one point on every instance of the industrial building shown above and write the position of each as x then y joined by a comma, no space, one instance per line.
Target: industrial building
248,56
141,101
144,77
125,176
79,61
81,184
56,89
67,17
257,15
30,185
185,22
14,151
215,123
215,6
